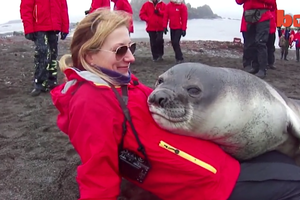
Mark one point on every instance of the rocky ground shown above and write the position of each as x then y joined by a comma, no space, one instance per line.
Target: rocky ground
37,161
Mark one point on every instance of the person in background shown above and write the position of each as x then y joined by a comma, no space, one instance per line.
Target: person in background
101,88
152,12
287,35
43,21
297,44
176,15
272,38
124,5
98,4
256,16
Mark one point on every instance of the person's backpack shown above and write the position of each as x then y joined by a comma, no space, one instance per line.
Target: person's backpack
281,42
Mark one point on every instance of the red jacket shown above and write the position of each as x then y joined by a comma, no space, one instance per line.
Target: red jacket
125,6
257,4
92,118
297,39
176,15
273,21
41,15
99,4
154,21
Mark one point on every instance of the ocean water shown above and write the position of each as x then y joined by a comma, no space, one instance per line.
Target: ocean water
198,29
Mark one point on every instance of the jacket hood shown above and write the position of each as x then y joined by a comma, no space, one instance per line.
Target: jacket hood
62,94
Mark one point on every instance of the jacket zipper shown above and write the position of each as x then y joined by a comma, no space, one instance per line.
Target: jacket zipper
188,157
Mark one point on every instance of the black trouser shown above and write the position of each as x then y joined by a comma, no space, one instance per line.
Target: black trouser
271,49
175,39
249,53
272,176
156,43
297,53
45,59
257,36
285,49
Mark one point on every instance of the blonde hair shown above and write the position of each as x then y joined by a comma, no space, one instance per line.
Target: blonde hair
89,36
65,62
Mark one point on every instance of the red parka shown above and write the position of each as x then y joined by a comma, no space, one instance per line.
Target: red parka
297,39
125,6
91,116
257,4
154,21
99,4
176,15
42,15
273,21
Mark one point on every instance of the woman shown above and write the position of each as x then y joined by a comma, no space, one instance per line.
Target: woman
168,165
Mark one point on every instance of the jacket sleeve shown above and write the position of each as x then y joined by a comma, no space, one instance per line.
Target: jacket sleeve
166,17
143,13
91,133
26,12
65,17
95,5
125,6
106,3
162,9
240,2
184,17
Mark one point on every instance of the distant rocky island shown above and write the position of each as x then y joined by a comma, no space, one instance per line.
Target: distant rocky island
201,12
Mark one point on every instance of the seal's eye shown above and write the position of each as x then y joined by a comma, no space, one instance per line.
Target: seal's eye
159,81
194,90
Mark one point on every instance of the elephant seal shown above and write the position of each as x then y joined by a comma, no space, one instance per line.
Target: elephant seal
240,112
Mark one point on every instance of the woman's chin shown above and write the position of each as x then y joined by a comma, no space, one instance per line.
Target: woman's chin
123,71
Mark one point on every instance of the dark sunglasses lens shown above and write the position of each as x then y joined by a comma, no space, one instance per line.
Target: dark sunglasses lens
121,52
132,48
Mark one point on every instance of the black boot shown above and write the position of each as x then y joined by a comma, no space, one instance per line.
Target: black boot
271,67
261,73
38,89
252,69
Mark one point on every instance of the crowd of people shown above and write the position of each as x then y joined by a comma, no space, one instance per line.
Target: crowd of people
103,110
258,27
44,21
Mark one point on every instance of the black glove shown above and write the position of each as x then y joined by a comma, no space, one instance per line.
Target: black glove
165,31
87,12
156,11
63,35
30,36
183,33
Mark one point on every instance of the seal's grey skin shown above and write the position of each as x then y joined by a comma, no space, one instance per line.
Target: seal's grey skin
245,115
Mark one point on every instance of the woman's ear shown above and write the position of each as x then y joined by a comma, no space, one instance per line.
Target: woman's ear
89,58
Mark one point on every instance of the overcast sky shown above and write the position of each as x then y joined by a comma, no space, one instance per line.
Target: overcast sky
10,9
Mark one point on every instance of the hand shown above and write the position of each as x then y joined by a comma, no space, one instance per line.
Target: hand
30,36
63,35
165,31
156,11
183,33
87,12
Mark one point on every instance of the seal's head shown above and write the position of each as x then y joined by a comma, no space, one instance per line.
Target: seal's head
182,97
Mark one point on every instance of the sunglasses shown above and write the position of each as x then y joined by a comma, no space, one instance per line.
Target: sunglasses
122,50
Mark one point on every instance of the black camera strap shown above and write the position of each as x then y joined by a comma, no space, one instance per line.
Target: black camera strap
123,102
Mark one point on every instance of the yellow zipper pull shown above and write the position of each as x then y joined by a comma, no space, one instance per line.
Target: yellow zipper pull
188,157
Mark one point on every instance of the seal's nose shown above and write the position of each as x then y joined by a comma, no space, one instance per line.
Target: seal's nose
159,98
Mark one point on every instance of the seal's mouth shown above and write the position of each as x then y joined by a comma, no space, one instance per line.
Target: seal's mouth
173,115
